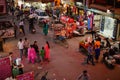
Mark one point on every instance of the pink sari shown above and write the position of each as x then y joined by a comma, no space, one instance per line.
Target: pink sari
47,52
31,55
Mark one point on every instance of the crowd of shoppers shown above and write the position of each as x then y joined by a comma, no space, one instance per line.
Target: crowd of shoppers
33,52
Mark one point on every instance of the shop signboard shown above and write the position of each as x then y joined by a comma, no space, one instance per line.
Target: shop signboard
26,76
5,68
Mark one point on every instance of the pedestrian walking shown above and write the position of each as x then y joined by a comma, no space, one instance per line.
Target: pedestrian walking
31,54
15,30
90,54
47,51
26,46
35,46
84,76
31,24
21,27
45,28
97,53
21,46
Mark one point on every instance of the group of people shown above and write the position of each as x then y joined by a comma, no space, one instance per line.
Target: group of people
16,66
32,51
93,49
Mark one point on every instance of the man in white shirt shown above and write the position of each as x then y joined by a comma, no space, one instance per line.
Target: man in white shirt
20,47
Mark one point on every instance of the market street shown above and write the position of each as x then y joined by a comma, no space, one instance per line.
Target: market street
65,63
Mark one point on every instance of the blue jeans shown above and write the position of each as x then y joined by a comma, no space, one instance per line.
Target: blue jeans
90,58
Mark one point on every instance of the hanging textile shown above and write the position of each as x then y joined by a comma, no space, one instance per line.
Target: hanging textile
88,24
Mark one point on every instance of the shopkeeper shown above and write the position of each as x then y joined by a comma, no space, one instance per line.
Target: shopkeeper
62,35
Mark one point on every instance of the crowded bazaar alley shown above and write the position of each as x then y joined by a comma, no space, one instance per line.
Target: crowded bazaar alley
54,40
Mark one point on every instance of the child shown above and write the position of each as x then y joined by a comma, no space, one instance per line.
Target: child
42,54
83,76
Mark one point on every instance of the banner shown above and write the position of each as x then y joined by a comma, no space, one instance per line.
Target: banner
5,68
26,76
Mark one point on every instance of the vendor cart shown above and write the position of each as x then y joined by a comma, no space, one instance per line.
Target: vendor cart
7,30
57,37
83,47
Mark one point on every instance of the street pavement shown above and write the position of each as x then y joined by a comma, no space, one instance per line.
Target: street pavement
65,63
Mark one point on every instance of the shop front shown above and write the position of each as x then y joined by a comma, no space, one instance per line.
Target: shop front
107,25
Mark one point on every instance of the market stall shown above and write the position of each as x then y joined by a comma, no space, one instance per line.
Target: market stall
60,35
73,28
6,30
57,30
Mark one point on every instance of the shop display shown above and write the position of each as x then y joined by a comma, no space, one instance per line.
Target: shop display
102,23
108,27
66,19
90,20
7,33
115,29
97,20
6,29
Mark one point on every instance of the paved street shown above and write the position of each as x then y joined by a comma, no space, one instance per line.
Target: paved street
65,63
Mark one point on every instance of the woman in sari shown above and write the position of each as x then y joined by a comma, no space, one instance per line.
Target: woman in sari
45,28
31,54
47,51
